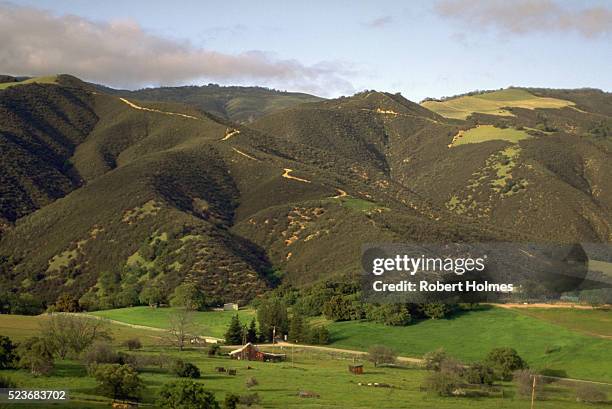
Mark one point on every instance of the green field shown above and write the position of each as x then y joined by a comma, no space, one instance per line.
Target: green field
547,339
280,383
470,336
20,327
213,323
38,80
484,133
493,103
590,322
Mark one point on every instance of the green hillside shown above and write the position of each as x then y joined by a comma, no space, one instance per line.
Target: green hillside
106,196
239,104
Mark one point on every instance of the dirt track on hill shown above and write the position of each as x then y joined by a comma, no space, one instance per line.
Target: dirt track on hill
545,306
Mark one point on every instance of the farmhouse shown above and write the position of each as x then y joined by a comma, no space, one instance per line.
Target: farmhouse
250,352
230,306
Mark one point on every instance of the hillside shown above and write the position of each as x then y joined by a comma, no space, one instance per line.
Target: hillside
239,104
108,196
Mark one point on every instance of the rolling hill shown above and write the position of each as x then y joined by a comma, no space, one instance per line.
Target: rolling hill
107,195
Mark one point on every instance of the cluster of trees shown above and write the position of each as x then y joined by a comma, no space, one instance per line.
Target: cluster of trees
341,301
449,375
274,320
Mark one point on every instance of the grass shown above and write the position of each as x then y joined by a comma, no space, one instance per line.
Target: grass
493,103
484,133
471,335
20,327
213,323
590,322
280,383
38,80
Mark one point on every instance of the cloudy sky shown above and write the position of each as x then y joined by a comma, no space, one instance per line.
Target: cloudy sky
329,48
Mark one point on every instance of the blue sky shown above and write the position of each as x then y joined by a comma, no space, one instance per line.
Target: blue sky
418,48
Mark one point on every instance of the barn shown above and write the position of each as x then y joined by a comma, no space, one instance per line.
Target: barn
250,352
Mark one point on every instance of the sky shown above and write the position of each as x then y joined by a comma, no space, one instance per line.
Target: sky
328,48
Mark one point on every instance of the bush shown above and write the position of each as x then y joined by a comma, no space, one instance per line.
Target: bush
100,353
133,344
590,394
433,360
380,354
214,349
250,382
118,381
524,383
441,383
479,374
231,401
35,355
7,353
250,399
7,383
186,370
186,395
505,361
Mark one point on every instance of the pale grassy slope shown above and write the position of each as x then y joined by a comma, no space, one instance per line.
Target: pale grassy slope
493,103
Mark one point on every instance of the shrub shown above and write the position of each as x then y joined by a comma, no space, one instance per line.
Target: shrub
186,370
590,394
524,383
441,383
36,355
214,349
186,395
250,399
133,344
118,381
7,383
433,360
505,361
380,354
231,401
480,374
7,353
250,382
100,353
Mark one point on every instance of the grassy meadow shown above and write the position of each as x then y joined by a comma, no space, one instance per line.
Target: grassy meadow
493,103
279,384
213,323
52,79
484,133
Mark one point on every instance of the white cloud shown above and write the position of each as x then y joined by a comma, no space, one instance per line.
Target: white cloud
523,16
123,54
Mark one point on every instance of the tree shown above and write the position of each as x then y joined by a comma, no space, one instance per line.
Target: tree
234,333
436,311
186,370
118,381
251,334
67,303
188,295
231,401
186,395
151,295
36,355
380,354
181,325
69,333
272,314
297,329
7,353
505,361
